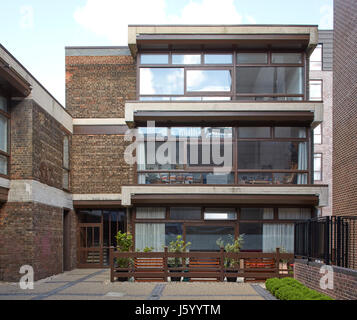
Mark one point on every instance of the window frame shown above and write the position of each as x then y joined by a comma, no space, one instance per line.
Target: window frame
187,169
202,222
321,89
321,61
321,135
7,153
233,67
321,166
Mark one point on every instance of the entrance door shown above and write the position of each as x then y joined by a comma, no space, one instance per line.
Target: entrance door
90,245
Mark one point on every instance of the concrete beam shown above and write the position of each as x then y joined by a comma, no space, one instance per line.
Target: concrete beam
97,197
316,190
134,106
34,191
98,121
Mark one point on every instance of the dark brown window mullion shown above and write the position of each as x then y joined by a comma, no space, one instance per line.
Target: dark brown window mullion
235,154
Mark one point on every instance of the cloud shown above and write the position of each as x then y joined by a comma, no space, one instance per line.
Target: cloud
250,19
208,12
110,18
326,21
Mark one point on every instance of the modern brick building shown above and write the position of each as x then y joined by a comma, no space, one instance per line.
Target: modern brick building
241,90
321,75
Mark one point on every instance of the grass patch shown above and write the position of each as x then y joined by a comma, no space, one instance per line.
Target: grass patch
291,289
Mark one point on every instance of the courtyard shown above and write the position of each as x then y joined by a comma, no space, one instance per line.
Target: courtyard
94,284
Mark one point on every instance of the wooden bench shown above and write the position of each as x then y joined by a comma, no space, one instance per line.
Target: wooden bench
152,265
252,264
208,265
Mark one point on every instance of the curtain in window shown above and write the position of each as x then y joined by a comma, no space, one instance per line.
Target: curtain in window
150,235
294,213
268,213
150,213
302,158
3,133
278,235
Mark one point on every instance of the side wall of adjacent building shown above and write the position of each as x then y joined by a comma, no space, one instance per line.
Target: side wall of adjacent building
32,218
345,109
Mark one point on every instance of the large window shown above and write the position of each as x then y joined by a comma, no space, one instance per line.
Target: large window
317,167
201,76
315,90
252,155
318,134
316,58
262,229
4,136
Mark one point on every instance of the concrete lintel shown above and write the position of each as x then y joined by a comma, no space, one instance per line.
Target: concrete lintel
35,191
98,121
134,106
97,197
317,190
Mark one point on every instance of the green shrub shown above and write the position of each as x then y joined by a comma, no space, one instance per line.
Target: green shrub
291,289
270,283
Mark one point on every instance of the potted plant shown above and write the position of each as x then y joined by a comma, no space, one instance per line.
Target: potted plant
177,246
233,246
124,242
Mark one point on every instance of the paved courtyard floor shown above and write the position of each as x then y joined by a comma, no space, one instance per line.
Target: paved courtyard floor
94,284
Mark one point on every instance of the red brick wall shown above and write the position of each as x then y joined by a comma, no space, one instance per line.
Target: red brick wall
98,86
345,108
345,280
98,164
31,233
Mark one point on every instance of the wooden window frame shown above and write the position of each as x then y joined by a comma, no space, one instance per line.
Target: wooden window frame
235,169
201,222
233,67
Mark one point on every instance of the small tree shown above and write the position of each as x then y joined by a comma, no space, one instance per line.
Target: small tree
233,246
177,246
124,244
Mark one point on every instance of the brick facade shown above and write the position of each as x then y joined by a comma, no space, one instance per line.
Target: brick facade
98,86
344,280
98,164
32,232
345,109
36,144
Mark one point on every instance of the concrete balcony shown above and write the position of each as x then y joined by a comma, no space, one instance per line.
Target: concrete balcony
193,112
314,195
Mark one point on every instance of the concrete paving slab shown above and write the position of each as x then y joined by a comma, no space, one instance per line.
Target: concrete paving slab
94,284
